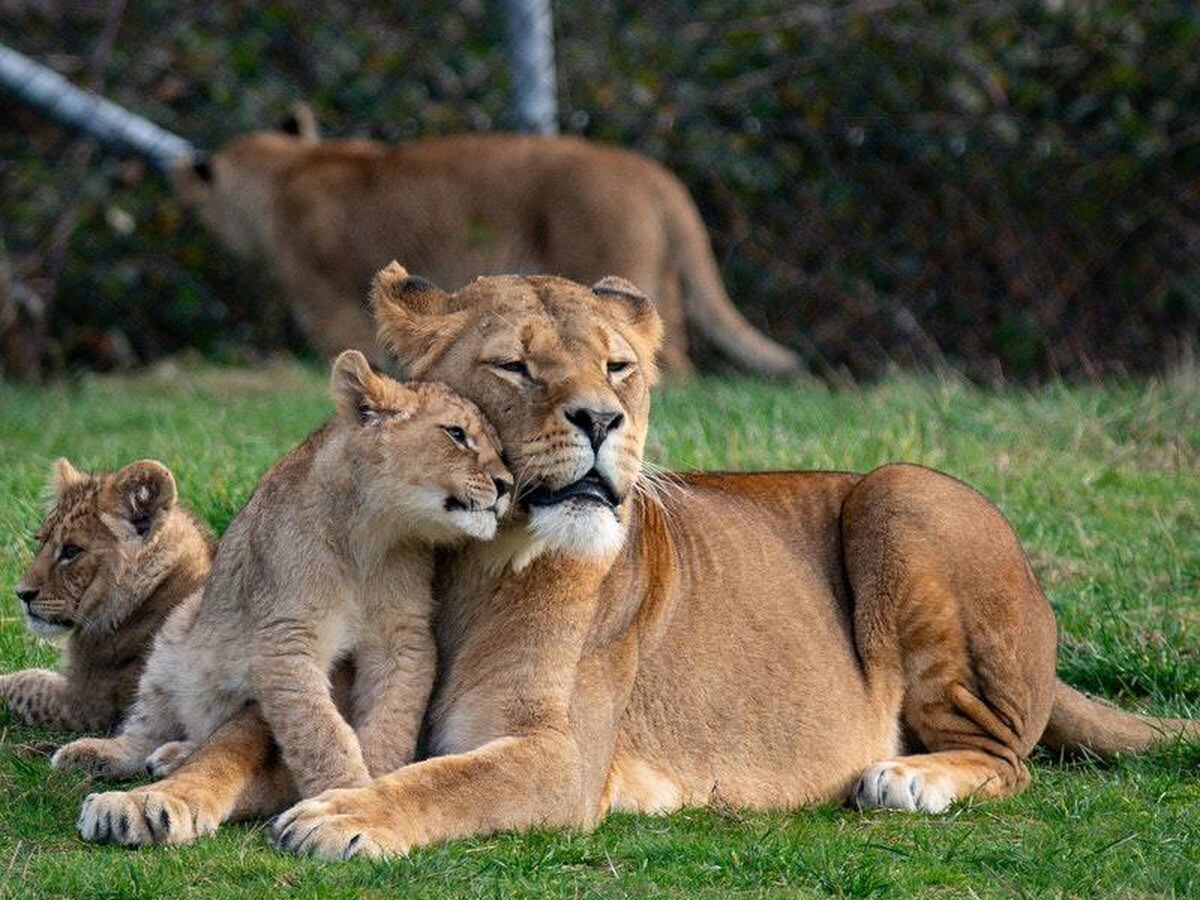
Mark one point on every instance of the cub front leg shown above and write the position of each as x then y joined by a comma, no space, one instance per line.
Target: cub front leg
149,724
45,698
319,748
392,684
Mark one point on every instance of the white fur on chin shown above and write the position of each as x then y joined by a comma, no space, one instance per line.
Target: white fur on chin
577,528
48,631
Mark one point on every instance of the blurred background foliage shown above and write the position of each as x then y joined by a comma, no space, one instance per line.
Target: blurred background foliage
1003,188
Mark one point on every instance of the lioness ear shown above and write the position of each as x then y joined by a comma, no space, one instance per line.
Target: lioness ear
414,318
63,475
302,122
636,309
137,498
364,396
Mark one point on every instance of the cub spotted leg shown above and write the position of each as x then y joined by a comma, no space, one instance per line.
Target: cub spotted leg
42,697
954,633
236,774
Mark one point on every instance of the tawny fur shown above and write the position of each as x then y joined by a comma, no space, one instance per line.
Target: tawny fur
137,555
332,558
326,215
756,640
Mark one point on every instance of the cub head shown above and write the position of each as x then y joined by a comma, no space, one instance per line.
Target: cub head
232,191
564,371
92,545
420,454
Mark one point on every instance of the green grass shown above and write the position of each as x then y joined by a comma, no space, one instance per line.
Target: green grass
1101,484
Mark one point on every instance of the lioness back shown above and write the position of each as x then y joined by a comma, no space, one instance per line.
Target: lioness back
327,215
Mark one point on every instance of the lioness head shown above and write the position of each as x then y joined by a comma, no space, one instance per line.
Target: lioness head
232,190
420,453
562,370
93,545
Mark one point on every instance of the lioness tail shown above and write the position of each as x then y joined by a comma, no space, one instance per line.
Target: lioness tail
707,306
1078,722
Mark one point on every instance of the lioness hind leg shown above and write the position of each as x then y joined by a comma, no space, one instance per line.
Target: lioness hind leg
930,782
953,632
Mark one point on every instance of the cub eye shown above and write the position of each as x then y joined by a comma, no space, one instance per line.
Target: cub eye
617,366
456,434
68,552
516,366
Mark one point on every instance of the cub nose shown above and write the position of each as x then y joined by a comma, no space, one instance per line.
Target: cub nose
597,424
503,486
27,595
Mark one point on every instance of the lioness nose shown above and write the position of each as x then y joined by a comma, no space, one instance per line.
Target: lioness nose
597,424
503,486
27,595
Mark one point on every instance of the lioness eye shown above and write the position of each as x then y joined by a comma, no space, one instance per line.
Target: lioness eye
456,434
515,366
617,366
69,551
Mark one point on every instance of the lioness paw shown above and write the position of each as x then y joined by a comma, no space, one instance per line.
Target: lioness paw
893,784
97,756
169,757
135,818
335,825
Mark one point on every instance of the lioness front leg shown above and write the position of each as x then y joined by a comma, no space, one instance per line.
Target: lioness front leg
954,634
235,774
532,776
509,784
44,698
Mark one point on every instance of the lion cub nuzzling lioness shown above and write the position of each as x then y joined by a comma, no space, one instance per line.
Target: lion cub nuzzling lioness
116,554
332,558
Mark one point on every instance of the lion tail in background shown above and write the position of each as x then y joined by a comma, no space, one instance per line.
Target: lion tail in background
706,305
1078,722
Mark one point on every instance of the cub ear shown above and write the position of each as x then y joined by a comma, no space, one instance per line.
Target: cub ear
635,308
362,395
302,123
63,475
138,497
414,318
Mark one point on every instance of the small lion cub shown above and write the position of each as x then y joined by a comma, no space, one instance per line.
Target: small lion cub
331,559
115,556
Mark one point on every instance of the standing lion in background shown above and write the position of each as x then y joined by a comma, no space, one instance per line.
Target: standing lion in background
326,216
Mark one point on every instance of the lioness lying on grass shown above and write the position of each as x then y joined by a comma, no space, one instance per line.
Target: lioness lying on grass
331,559
758,640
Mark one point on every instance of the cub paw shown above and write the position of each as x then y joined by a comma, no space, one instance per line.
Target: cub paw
136,818
96,756
169,757
892,784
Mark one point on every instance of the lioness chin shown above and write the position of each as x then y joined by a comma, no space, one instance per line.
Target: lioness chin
765,640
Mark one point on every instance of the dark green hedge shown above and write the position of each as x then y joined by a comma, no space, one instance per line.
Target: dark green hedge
1006,188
